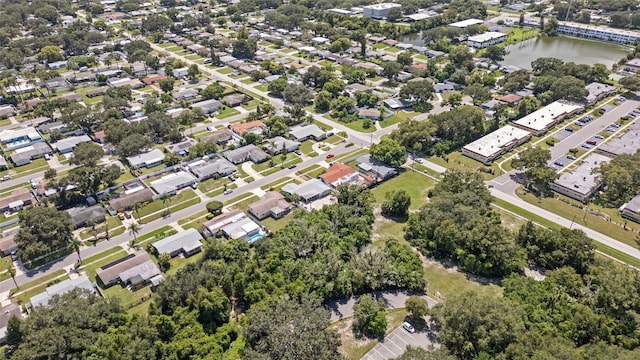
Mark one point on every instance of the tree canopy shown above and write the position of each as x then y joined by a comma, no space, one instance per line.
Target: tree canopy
43,230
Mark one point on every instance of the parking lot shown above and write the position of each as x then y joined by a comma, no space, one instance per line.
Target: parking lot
394,345
586,136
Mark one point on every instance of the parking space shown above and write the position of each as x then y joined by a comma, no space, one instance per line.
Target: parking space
561,135
395,344
585,136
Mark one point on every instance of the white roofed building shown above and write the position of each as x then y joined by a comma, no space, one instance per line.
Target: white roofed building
493,145
540,121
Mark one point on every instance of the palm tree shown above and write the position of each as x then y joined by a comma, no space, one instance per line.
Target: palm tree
134,229
106,230
76,246
12,272
166,199
136,207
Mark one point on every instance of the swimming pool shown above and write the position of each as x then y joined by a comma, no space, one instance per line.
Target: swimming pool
255,237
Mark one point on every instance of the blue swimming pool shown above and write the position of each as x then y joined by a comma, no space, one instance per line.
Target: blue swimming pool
255,238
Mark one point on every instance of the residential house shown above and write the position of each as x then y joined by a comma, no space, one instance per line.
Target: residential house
234,225
245,153
301,133
186,95
149,159
372,114
256,127
172,182
206,169
97,91
271,204
128,198
6,313
8,244
61,288
18,199
207,106
220,137
187,243
344,174
3,163
510,99
180,72
7,111
234,100
276,144
23,156
380,170
182,147
92,215
133,269
67,145
308,191
14,139
153,79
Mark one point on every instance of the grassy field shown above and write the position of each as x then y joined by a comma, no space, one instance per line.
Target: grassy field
154,234
443,282
571,211
275,225
244,204
158,205
415,184
357,125
227,112
458,161
174,208
225,70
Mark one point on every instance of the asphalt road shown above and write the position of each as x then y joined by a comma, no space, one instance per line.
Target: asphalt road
396,343
592,128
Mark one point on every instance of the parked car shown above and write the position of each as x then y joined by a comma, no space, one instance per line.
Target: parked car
5,178
292,166
298,152
568,129
599,137
585,146
228,191
579,123
47,157
419,161
591,142
571,157
408,327
329,156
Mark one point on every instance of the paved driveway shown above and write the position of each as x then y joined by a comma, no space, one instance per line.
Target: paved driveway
395,344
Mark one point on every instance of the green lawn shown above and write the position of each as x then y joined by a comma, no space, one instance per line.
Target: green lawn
279,166
227,112
277,159
458,161
158,205
574,209
379,46
415,184
276,183
174,208
225,70
397,117
262,87
179,262
91,268
31,168
128,298
357,126
334,139
276,225
306,147
212,184
242,201
156,234
37,286
192,217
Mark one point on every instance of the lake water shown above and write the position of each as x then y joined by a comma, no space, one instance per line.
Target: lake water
580,51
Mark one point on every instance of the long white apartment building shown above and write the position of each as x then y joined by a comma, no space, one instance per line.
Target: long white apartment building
603,33
491,146
484,40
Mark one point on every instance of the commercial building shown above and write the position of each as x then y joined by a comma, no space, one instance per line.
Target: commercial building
378,11
234,225
466,23
632,65
598,91
484,40
493,145
15,139
603,33
271,204
147,160
540,121
580,183
626,143
135,269
309,190
173,182
187,243
61,288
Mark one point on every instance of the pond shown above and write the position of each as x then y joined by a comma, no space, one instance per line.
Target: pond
568,49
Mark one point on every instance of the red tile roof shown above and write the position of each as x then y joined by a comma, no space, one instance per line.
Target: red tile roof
241,128
335,172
